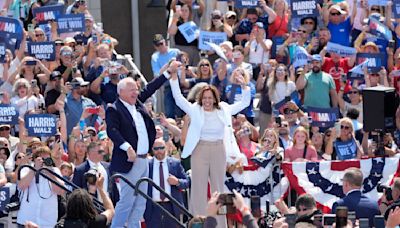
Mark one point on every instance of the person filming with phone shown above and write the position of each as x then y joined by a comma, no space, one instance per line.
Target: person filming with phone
391,197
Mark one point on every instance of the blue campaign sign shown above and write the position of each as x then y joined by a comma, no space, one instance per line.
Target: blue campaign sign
8,114
246,3
42,50
11,28
375,61
323,117
379,29
396,9
41,124
295,97
340,49
45,14
189,30
377,2
212,37
301,9
277,42
71,23
3,52
4,197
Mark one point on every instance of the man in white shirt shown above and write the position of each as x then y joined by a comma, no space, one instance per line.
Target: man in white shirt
168,173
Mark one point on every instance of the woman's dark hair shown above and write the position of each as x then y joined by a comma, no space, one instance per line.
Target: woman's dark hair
214,92
80,206
353,113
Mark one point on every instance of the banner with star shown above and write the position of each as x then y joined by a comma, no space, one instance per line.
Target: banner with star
265,179
323,179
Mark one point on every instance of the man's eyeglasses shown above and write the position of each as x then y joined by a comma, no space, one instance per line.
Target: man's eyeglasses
159,44
308,22
375,9
345,127
39,34
4,128
335,14
353,92
159,148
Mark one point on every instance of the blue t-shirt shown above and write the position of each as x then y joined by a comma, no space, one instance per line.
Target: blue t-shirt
158,60
341,32
345,149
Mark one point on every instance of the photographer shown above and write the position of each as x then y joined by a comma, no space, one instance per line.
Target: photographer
391,197
39,196
214,205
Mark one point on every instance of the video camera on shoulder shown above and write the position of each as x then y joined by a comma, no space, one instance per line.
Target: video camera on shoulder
91,176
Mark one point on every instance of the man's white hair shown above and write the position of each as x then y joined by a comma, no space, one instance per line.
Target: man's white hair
123,83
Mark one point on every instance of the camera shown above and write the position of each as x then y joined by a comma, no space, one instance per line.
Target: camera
48,161
91,176
388,191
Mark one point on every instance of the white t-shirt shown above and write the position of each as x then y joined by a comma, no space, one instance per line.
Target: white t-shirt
257,54
24,104
213,127
282,89
38,202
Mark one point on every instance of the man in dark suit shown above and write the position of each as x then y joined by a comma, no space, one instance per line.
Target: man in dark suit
95,152
354,199
168,173
132,131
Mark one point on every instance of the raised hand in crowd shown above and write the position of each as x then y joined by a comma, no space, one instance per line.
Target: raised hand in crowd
394,218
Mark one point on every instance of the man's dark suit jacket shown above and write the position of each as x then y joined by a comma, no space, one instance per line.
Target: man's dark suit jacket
80,180
174,168
121,126
362,205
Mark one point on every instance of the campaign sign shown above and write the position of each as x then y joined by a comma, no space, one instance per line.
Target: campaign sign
45,14
377,2
246,3
323,117
375,61
2,52
295,97
189,30
301,57
212,37
396,8
41,124
42,50
301,9
277,42
340,49
71,23
4,197
346,149
379,29
11,28
8,114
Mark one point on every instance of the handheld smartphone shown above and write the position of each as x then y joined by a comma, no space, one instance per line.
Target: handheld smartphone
226,199
379,221
30,63
343,78
34,83
267,207
329,219
351,215
364,222
288,98
290,219
278,120
318,221
28,151
310,120
93,110
57,137
31,28
337,128
341,216
391,44
255,205
94,38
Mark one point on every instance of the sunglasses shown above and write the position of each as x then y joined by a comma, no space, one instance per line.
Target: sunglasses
353,92
82,2
4,128
375,9
39,34
303,209
60,44
20,157
288,111
345,127
159,148
216,17
265,140
205,64
374,75
335,14
303,31
232,18
280,70
308,22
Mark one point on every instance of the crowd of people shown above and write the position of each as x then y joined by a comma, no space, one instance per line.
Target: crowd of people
220,112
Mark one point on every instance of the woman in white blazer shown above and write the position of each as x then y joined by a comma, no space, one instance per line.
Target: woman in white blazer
209,135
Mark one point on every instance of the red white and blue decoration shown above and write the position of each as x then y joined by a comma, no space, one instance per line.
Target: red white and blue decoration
323,179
